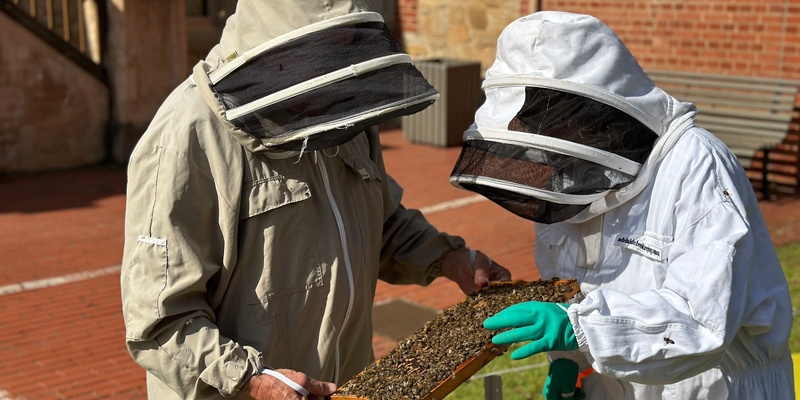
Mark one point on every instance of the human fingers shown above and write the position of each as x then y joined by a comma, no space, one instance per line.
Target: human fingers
314,387
457,266
487,270
265,386
481,275
285,384
498,272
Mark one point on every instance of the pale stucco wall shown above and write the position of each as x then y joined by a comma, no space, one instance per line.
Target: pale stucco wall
54,114
461,29
146,60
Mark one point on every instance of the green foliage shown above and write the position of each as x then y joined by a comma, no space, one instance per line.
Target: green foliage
790,260
523,379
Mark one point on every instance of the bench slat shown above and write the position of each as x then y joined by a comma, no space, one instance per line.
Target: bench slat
745,119
755,133
729,78
780,104
746,113
724,85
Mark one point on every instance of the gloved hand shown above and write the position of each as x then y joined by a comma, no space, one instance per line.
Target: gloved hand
562,378
545,324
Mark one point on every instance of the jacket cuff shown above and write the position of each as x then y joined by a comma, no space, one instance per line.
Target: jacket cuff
232,371
580,335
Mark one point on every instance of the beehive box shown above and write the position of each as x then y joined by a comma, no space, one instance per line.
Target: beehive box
449,349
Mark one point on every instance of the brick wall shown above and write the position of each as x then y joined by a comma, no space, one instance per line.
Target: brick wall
736,37
407,12
733,37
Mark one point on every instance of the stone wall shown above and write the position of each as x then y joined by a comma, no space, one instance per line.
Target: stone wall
460,29
54,113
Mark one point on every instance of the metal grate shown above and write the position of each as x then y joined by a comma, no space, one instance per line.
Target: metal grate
443,123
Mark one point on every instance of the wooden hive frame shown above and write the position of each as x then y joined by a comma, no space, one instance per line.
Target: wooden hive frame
567,290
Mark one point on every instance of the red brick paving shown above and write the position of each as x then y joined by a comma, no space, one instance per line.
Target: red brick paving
67,341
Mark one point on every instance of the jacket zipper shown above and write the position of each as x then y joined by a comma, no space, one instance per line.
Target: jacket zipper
346,254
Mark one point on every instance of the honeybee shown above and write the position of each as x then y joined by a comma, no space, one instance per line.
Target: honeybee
667,340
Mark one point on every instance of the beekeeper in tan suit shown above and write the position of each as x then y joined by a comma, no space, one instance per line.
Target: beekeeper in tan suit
260,215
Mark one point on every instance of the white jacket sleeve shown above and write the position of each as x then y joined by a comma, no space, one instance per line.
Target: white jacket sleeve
695,310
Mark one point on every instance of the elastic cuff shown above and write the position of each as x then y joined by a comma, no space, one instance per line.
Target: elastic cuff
580,336
283,378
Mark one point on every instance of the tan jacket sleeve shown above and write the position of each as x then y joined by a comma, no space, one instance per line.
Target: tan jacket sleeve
412,248
180,241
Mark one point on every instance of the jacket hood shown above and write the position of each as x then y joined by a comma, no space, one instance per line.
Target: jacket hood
257,21
306,75
579,54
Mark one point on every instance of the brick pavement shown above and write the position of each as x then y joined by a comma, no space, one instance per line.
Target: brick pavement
66,341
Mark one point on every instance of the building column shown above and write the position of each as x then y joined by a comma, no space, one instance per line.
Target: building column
146,59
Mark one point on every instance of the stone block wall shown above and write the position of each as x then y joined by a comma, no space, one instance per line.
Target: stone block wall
460,29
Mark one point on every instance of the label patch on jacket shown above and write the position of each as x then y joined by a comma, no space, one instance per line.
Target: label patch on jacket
646,246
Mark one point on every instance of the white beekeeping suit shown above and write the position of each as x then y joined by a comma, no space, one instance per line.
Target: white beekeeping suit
654,216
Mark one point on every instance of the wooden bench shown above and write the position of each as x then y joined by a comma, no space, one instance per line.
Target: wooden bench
750,115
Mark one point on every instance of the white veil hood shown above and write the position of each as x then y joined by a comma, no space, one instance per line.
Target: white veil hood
579,54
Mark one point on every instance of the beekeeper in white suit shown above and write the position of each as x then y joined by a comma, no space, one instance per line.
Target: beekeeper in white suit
259,213
654,217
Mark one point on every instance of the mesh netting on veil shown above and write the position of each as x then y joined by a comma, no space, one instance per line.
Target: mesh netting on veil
517,170
527,167
331,107
339,100
585,121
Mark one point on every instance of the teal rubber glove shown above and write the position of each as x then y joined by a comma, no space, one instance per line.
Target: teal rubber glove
562,379
545,324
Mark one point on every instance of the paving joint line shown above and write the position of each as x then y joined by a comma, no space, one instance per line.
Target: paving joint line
98,273
451,204
58,280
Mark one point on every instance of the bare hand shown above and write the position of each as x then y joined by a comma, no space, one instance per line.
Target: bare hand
470,276
266,387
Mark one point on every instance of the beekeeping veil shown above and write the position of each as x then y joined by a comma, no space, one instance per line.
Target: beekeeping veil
569,123
308,75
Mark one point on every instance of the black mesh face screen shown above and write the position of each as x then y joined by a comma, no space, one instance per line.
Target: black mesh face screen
336,137
527,207
582,120
335,101
317,112
536,168
503,171
305,58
